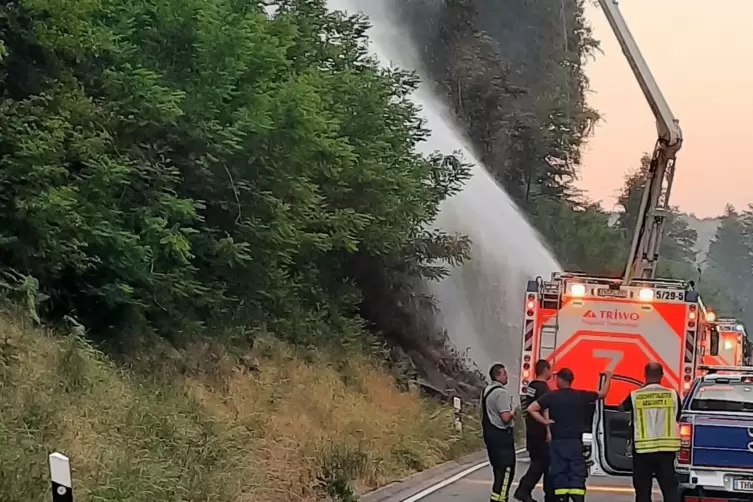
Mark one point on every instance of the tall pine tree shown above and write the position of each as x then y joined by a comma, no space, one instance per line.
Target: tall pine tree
730,258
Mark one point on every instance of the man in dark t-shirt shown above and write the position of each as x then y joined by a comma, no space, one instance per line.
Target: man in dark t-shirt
537,438
568,409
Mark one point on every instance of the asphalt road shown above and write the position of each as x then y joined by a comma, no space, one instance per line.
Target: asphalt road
476,487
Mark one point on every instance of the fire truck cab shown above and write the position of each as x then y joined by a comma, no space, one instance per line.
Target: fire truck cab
707,332
595,324
726,344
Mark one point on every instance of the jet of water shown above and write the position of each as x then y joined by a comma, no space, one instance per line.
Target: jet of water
481,302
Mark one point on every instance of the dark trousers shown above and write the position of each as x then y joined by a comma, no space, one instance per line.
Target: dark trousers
568,469
503,477
539,465
500,446
661,465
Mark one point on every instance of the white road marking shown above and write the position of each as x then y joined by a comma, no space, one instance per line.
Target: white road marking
445,482
428,491
462,474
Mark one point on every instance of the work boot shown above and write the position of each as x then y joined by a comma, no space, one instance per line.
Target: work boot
523,498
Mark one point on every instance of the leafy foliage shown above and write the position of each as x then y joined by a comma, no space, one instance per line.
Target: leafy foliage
178,163
513,72
172,162
730,260
583,236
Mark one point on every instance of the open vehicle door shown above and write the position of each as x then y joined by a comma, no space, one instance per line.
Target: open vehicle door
612,437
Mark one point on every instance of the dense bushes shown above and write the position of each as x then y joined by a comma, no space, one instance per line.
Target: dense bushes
242,166
177,161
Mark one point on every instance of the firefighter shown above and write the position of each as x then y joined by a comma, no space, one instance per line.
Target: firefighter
537,438
497,428
569,410
655,412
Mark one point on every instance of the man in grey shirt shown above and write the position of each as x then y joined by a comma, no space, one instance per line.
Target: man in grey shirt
498,402
497,427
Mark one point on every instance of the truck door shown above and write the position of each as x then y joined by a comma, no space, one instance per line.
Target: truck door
612,433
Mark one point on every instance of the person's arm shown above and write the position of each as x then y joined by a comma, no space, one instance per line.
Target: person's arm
607,383
679,405
537,408
529,397
543,392
503,405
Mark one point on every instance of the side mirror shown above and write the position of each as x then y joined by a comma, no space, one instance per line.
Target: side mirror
714,345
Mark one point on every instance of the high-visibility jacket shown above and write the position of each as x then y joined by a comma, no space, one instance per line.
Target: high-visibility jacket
655,427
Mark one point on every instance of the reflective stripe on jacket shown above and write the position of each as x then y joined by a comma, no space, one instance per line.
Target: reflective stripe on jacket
655,427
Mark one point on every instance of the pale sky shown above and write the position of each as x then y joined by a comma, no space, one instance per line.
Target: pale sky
701,54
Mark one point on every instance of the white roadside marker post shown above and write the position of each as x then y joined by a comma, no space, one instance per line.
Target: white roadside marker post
60,476
457,405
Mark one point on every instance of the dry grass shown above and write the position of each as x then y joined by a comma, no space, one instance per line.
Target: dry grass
294,427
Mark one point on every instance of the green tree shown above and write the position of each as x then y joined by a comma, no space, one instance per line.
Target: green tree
175,161
730,258
581,237
729,252
513,74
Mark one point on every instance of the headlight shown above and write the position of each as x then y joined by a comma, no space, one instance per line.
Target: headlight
578,290
646,295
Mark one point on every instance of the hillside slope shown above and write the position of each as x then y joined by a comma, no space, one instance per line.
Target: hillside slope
211,176
275,424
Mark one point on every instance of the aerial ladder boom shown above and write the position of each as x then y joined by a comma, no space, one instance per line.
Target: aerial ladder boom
644,248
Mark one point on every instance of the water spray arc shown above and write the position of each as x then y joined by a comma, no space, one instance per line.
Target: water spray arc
480,302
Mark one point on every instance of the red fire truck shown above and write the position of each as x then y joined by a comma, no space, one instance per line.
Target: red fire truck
594,324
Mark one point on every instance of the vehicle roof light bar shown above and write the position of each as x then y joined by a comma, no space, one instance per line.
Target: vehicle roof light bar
736,369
